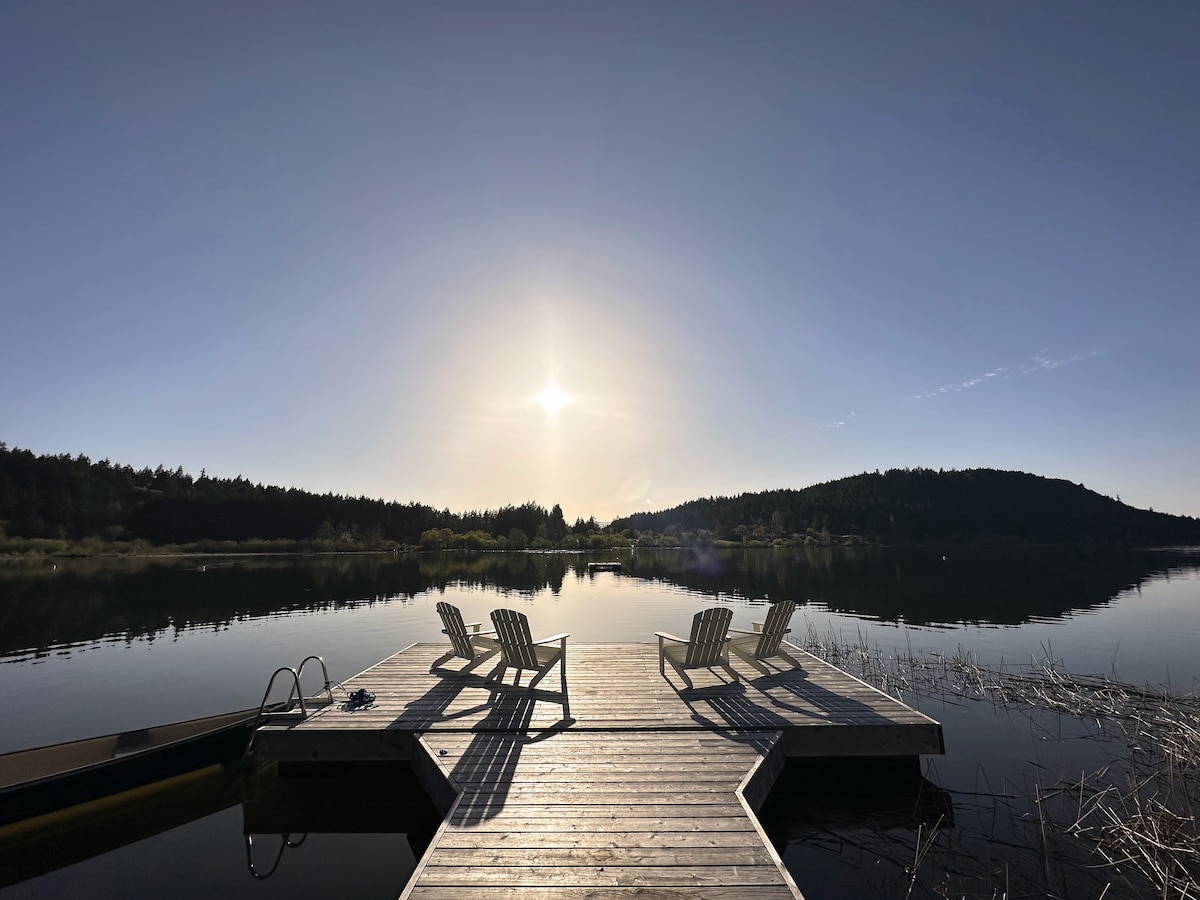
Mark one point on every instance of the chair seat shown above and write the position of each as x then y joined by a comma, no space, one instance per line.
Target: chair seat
677,653
546,654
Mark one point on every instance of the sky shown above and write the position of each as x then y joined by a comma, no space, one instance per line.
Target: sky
614,256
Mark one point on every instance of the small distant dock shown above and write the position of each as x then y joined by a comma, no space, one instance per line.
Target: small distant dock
650,790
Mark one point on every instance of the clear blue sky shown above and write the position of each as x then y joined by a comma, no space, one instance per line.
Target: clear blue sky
345,247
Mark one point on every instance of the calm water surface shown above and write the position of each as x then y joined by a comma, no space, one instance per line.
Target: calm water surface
93,647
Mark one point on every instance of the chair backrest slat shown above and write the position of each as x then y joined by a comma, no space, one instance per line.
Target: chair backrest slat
452,624
710,627
775,626
516,642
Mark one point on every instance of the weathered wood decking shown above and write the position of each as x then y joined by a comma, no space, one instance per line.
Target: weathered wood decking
648,790
590,814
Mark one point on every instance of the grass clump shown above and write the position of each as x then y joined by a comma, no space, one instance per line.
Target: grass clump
1128,827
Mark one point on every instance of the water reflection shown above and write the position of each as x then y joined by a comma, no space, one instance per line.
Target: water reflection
77,602
814,800
80,601
369,822
373,606
64,842
999,586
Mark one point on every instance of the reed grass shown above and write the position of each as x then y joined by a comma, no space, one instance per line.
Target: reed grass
1132,821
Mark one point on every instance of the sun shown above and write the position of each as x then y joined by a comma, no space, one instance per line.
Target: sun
553,398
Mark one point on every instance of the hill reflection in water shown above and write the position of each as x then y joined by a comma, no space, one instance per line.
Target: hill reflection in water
45,605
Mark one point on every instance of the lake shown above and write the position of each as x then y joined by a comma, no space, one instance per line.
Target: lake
98,646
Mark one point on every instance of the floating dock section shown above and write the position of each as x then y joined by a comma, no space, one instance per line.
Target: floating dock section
648,790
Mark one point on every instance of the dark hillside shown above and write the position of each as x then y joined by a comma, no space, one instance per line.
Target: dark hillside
923,506
72,498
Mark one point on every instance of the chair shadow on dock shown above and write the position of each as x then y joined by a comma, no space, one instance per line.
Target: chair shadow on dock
499,696
485,770
482,774
813,700
728,706
433,705
772,700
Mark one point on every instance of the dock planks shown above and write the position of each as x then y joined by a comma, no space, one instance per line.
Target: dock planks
609,819
649,790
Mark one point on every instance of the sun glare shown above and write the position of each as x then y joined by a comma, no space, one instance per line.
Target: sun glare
553,398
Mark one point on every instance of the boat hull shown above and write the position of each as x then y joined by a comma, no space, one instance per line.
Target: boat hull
40,781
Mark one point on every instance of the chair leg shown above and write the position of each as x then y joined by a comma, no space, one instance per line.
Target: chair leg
680,672
442,659
497,672
562,671
727,667
750,660
662,656
541,673
795,662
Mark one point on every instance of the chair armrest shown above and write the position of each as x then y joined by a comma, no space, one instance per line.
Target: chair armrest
555,639
474,626
670,637
757,630
474,633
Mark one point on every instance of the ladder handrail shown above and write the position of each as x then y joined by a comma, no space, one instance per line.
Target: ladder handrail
291,695
324,674
296,693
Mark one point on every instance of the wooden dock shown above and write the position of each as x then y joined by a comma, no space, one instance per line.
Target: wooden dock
649,790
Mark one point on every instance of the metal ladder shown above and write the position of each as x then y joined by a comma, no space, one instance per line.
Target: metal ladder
287,709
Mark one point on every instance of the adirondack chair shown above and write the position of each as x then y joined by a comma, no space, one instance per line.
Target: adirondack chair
766,640
466,640
704,649
518,650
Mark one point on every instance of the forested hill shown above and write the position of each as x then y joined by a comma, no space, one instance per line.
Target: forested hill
63,498
923,505
72,498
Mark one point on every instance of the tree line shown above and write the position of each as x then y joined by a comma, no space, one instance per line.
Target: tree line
907,506
65,498
60,498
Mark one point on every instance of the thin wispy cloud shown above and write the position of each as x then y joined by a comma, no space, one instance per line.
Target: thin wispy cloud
1042,362
849,419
